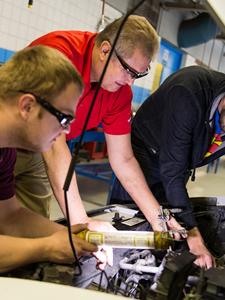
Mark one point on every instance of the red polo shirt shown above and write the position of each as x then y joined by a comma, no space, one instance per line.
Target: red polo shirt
113,109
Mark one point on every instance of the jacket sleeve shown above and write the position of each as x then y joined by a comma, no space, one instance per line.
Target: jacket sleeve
178,133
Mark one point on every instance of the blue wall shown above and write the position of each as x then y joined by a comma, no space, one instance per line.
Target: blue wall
5,55
170,58
139,94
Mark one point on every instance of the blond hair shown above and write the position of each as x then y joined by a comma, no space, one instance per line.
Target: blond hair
40,70
137,32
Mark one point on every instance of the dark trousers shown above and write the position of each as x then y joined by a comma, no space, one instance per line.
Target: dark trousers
151,172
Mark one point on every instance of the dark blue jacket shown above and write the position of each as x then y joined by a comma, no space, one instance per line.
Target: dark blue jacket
173,124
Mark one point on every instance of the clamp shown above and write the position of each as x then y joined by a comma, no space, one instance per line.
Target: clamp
164,216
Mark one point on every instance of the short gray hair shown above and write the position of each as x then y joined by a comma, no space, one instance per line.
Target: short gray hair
137,32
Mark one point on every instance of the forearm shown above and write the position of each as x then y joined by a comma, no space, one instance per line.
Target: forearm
197,247
16,252
128,171
131,177
57,161
25,223
76,208
194,238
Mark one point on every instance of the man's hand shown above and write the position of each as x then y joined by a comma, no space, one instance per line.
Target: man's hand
172,224
98,225
105,254
197,247
58,248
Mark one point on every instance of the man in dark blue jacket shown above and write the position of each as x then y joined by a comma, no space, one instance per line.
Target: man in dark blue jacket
178,128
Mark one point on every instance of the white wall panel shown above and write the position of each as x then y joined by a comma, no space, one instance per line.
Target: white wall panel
168,30
16,13
20,25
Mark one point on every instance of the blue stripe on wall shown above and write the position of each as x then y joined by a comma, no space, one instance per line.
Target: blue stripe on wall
139,94
170,58
5,55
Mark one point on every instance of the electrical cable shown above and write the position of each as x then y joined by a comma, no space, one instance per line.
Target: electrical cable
75,155
117,290
77,263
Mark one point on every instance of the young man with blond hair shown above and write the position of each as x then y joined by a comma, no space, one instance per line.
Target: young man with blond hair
39,93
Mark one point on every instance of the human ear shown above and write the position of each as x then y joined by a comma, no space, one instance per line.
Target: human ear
26,103
104,50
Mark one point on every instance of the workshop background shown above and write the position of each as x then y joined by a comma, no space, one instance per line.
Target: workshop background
189,34
185,27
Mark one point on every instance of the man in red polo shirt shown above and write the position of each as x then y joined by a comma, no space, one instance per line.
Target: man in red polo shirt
136,47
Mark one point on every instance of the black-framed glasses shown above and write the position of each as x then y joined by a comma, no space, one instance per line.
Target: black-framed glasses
64,119
133,74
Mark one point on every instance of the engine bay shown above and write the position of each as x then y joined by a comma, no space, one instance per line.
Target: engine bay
146,273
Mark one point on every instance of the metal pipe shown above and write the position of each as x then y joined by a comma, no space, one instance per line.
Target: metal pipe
103,11
141,265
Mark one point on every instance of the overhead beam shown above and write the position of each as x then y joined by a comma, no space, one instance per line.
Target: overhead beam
216,8
183,6
220,36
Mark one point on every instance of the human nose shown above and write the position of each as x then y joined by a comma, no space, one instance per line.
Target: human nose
66,129
130,80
